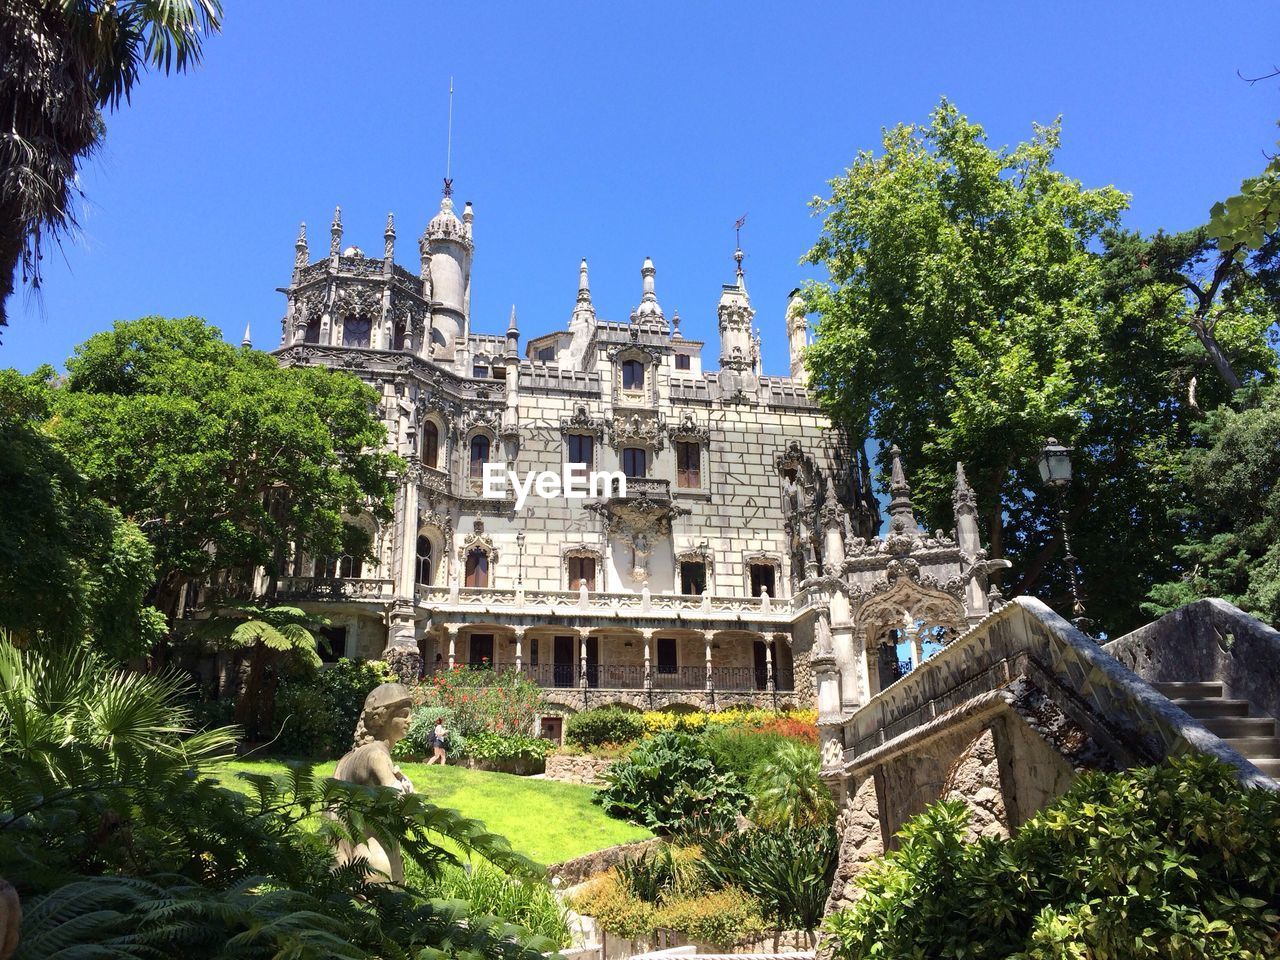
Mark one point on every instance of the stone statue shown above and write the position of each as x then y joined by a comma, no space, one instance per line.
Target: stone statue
383,721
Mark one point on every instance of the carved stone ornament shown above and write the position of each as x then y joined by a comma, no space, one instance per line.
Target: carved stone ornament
442,522
361,299
478,540
582,422
636,430
689,429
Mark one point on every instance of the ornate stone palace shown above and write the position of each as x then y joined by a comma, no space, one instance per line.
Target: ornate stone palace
745,548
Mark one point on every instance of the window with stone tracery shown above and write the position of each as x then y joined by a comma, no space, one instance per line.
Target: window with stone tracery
356,331
422,564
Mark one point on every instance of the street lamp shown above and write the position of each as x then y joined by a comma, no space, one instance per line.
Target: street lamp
1055,470
520,560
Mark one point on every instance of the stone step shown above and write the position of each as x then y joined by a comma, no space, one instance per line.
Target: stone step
1214,707
1231,727
1269,766
1188,690
1255,748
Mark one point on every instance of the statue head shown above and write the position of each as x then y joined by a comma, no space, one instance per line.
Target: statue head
385,716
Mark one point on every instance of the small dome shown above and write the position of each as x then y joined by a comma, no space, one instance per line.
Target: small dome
445,222
353,252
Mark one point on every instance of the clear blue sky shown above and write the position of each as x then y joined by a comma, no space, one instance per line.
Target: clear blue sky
615,131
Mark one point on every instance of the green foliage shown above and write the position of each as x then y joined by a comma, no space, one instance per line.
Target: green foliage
593,728
119,844
741,751
1245,220
65,64
482,698
787,790
1231,508
224,457
507,746
614,908
981,301
316,715
70,565
417,741
667,781
1177,861
664,874
787,868
720,917
530,904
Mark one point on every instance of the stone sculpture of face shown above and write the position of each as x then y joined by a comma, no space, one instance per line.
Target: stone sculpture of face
397,725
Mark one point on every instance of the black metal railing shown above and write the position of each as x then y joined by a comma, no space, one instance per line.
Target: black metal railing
628,676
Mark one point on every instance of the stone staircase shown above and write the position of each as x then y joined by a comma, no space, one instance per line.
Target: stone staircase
1254,738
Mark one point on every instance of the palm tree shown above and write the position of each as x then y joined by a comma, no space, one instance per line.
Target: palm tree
62,62
265,635
788,790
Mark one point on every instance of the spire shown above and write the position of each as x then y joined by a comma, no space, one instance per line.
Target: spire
335,233
962,496
389,237
247,341
300,247
900,510
737,253
648,308
584,312
513,336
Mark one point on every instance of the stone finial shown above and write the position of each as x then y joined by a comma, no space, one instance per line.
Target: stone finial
247,341
648,308
513,336
675,326
389,237
468,217
300,255
584,312
335,233
962,496
900,507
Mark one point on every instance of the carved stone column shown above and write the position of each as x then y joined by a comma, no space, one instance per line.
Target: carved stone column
768,666
583,633
451,632
519,632
708,636
648,663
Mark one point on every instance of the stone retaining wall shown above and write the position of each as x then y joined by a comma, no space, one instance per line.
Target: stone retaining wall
573,872
568,768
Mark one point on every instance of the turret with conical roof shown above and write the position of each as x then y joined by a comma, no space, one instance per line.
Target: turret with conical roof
649,311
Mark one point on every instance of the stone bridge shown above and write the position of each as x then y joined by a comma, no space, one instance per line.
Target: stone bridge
1007,715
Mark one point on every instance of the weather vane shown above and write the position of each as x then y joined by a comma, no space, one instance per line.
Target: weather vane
737,241
448,146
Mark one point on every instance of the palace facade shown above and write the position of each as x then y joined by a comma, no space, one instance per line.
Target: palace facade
745,543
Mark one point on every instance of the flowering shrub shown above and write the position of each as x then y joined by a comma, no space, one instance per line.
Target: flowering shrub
719,917
800,724
481,699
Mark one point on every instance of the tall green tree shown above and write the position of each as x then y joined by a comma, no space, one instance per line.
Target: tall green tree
65,62
222,457
980,301
1229,500
71,567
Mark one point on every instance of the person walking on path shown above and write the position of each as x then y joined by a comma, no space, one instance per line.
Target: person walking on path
439,738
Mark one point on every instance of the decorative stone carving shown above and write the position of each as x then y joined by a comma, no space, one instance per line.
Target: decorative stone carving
383,721
478,540
637,430
582,422
359,299
689,430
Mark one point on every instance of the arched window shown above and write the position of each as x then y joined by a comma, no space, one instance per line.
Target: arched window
477,568
632,375
431,444
312,332
423,566
479,455
355,331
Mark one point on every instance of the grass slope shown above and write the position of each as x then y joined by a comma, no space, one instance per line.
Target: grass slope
543,819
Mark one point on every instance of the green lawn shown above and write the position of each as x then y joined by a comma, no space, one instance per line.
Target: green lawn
543,819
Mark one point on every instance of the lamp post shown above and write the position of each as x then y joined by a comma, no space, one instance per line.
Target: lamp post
520,558
1055,470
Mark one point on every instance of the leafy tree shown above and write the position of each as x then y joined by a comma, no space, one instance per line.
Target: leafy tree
70,565
1245,220
1175,861
64,64
981,301
222,457
1230,504
267,637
